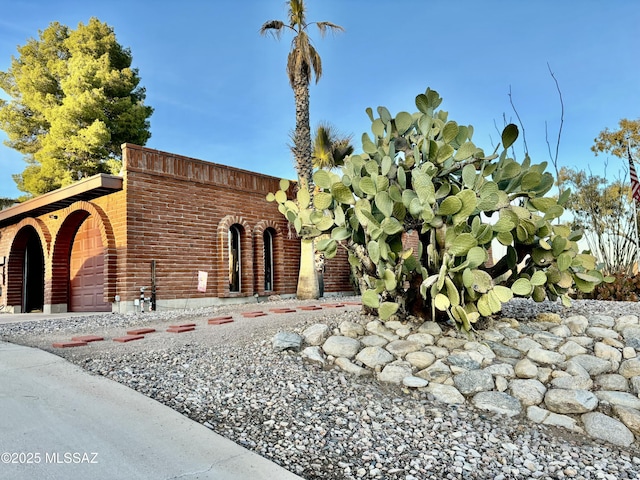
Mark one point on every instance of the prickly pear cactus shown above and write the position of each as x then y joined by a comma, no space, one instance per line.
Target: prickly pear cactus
422,172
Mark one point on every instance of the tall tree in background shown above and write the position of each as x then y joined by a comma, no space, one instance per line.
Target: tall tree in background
616,142
74,99
303,63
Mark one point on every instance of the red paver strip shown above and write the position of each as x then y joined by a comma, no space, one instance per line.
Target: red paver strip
353,303
282,310
87,338
333,305
220,321
310,307
140,331
226,317
183,325
128,338
180,328
253,314
73,343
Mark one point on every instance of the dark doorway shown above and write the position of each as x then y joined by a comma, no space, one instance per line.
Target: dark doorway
33,275
234,259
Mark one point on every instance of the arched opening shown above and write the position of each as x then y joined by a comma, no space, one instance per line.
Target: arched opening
268,259
235,267
33,274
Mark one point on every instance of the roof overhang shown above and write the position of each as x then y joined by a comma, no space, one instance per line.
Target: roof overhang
86,189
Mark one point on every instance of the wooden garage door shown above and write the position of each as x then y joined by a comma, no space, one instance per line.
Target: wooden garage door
86,275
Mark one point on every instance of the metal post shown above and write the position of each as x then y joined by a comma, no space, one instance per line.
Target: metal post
153,285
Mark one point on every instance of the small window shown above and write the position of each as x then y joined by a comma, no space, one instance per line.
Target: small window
234,259
268,260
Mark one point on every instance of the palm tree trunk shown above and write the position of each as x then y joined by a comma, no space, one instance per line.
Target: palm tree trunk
308,287
302,134
307,279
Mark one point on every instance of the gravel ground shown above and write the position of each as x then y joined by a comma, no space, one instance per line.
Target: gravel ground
322,423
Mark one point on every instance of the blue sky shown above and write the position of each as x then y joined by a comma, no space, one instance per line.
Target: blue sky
221,94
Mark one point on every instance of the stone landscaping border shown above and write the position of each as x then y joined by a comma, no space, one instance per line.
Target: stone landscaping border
579,373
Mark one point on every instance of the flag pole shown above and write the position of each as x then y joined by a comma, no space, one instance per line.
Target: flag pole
635,196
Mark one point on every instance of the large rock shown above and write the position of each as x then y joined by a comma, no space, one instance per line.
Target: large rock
350,367
540,415
630,417
607,352
603,427
432,328
438,372
571,349
445,393
373,341
377,328
599,333
630,368
560,400
529,392
497,402
374,356
400,348
572,382
593,365
420,360
578,324
545,357
286,341
501,369
341,346
548,340
525,368
314,354
422,338
464,361
394,373
604,321
626,321
473,381
316,334
414,382
622,399
523,344
612,381
503,351
351,329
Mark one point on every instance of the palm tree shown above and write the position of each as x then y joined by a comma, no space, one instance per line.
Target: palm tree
303,63
330,147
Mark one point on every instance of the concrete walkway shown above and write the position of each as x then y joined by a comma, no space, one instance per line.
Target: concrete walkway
59,422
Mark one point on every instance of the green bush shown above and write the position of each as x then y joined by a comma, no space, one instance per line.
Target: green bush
422,172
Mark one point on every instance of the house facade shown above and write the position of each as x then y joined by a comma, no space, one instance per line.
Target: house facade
169,231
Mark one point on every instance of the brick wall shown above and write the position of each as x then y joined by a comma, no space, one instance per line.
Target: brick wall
177,211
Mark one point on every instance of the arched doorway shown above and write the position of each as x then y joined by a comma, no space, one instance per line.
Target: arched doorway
33,274
267,238
235,269
86,269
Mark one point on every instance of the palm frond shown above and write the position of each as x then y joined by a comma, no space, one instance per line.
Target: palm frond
272,27
324,26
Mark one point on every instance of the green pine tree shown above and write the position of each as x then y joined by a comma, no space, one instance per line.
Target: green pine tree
74,99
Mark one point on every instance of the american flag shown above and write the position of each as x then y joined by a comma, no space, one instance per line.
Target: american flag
635,185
